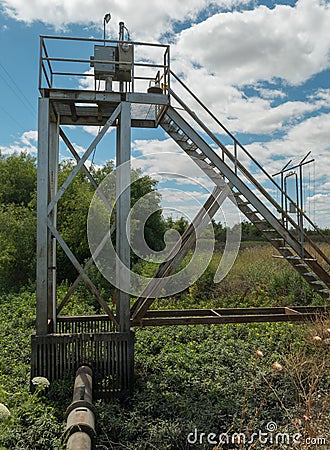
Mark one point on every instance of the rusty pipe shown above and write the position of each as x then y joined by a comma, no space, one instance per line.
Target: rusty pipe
80,427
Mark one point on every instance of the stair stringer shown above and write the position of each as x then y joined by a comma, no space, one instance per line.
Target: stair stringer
197,148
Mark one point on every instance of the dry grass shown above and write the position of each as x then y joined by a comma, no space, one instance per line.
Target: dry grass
307,370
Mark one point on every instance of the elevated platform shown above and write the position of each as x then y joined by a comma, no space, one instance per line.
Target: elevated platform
77,107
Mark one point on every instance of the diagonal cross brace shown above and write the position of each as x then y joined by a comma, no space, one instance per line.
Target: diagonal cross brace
201,220
77,158
87,266
81,271
106,237
82,161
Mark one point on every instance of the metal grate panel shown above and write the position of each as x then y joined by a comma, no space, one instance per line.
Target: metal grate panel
58,356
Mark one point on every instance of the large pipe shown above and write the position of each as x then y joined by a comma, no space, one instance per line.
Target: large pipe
80,427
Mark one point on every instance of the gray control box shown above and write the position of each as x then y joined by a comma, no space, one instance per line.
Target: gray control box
104,53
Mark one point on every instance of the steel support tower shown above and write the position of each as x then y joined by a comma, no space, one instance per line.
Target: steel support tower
121,98
132,87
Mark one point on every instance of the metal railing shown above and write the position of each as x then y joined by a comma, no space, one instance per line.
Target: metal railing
69,58
240,159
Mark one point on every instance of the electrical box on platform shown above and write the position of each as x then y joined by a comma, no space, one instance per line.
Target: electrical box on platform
104,61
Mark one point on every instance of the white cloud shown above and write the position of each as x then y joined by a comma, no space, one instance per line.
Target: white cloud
145,20
25,144
164,159
310,135
320,203
271,93
322,98
241,113
260,50
290,43
220,57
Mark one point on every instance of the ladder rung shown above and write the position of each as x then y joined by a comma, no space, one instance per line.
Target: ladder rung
277,239
287,257
173,129
325,291
269,230
285,248
309,274
319,283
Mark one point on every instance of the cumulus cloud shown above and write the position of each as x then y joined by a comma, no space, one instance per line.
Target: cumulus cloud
242,113
164,160
146,20
310,134
290,43
241,63
27,143
320,204
264,50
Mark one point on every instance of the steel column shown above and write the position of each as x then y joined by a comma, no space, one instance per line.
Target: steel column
42,203
123,194
53,157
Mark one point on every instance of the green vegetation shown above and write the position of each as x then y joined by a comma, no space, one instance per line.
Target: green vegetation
18,218
187,378
213,379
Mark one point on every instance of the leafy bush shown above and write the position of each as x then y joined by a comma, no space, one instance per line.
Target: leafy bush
200,377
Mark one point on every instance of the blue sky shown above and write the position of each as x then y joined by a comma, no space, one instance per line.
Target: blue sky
261,67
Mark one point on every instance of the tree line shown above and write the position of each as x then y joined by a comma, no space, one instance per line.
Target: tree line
18,200
18,203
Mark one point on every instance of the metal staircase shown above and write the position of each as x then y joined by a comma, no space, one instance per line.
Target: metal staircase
230,163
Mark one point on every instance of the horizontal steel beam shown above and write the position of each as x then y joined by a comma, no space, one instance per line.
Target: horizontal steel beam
230,315
94,121
218,316
80,96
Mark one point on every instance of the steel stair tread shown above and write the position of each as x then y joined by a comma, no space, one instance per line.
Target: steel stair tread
281,238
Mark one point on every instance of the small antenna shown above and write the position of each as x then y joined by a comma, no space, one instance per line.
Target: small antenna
106,19
122,30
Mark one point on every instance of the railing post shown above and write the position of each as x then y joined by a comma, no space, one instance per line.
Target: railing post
235,156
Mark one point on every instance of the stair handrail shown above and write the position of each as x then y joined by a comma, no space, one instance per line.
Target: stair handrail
249,176
316,228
